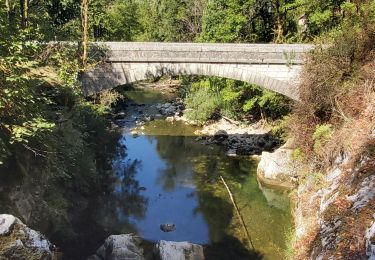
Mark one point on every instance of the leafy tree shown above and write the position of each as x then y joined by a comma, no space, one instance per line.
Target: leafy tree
170,20
121,21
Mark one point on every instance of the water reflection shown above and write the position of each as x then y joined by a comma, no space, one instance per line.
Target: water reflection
181,181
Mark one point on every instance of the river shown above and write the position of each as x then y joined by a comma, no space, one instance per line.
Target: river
167,175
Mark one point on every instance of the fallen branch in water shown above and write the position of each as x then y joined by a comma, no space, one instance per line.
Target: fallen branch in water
246,231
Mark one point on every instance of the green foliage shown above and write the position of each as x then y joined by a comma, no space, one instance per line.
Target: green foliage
121,23
201,104
21,107
222,21
264,101
298,155
332,95
170,20
280,128
321,135
236,99
30,129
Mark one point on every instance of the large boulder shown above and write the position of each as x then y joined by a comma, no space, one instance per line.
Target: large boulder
277,168
168,250
17,241
120,247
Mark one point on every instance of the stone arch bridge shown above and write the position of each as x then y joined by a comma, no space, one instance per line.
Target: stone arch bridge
273,66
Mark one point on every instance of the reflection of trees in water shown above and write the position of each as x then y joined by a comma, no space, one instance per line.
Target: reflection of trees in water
179,154
188,159
127,189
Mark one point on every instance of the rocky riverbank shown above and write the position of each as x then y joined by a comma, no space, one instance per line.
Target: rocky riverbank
17,241
235,137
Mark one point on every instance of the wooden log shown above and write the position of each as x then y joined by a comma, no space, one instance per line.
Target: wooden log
246,231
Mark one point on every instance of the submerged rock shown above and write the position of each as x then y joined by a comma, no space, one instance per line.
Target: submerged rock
168,250
17,241
120,247
168,227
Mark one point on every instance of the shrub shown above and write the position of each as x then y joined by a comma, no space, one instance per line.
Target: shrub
321,135
240,100
201,105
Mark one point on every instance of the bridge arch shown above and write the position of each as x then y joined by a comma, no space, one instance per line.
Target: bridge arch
112,75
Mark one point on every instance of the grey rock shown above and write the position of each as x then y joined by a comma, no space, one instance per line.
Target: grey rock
167,227
221,134
120,247
119,116
277,166
168,250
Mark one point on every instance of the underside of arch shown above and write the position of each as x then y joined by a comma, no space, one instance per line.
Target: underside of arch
281,79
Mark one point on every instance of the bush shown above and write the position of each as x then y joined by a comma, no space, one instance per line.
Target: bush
234,99
321,135
201,105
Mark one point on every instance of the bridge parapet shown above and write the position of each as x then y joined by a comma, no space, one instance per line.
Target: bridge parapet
126,52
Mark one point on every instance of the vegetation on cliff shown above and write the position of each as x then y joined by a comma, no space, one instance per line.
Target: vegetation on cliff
333,130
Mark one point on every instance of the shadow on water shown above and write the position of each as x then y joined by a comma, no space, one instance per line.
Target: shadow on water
230,248
78,210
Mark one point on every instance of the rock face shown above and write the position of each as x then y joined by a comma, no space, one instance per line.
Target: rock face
336,220
277,168
17,241
179,251
120,247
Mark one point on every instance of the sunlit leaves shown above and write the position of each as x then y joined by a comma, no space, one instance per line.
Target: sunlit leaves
29,129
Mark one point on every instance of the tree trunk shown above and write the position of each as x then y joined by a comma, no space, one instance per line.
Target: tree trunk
279,29
24,7
279,24
85,31
11,13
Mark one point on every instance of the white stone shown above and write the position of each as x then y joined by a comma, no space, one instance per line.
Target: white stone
365,194
6,223
25,238
179,251
277,165
370,248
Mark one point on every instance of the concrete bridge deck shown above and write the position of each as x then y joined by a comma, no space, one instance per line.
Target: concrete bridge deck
273,66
